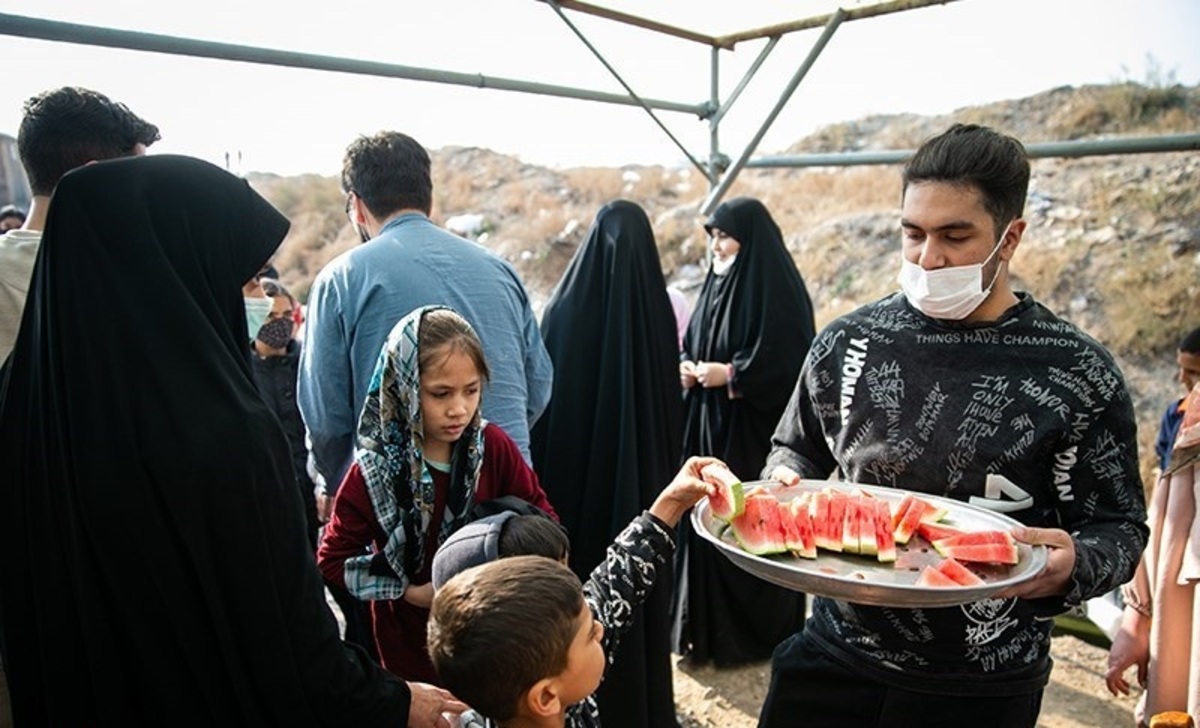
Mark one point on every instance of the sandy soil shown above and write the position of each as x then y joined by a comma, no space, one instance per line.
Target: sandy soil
1076,697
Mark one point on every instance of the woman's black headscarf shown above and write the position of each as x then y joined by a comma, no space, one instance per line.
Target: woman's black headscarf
759,318
155,565
608,443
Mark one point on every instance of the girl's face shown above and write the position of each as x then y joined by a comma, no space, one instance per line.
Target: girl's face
450,391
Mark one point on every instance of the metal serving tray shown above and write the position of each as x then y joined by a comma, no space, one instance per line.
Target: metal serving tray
862,579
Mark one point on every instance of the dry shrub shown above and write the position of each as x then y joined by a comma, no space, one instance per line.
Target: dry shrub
1125,107
593,183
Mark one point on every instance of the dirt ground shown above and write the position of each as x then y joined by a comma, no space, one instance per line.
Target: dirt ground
1075,698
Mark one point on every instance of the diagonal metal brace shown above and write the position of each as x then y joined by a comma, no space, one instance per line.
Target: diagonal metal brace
715,195
632,94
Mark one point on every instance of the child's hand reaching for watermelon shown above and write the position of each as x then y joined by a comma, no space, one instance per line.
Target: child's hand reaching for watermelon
684,491
1060,562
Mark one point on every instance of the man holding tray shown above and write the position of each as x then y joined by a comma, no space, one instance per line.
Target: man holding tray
960,387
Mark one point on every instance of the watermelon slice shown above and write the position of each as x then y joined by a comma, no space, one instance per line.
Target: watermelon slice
728,498
976,538
759,527
931,577
866,526
932,531
837,518
959,573
910,520
818,509
851,526
798,527
905,503
932,513
992,547
885,542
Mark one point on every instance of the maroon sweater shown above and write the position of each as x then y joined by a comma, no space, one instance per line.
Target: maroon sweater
398,625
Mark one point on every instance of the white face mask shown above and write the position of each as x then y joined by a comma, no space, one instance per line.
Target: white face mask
948,293
256,313
721,266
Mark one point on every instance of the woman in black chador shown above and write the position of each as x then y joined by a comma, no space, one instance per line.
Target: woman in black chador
609,440
748,336
155,563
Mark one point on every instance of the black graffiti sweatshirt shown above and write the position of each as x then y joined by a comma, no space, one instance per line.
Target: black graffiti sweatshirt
1027,415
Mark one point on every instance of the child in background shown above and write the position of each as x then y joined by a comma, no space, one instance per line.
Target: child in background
274,362
424,459
1188,360
521,641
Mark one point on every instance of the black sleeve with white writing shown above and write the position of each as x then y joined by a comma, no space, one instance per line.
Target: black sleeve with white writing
1027,415
620,583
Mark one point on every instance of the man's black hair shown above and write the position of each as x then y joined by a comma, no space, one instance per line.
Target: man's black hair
69,127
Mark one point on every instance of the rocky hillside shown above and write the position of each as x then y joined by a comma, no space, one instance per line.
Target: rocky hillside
1113,242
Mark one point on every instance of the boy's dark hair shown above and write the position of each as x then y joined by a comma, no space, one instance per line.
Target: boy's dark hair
273,289
530,532
1191,342
443,327
68,127
533,536
12,211
388,172
498,628
979,157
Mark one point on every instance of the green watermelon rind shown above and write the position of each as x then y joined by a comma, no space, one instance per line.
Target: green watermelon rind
734,494
759,532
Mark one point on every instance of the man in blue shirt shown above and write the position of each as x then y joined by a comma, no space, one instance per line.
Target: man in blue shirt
407,261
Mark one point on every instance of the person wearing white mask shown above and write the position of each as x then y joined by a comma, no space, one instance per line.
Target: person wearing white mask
742,350
959,386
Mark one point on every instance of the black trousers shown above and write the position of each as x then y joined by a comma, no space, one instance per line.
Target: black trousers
811,689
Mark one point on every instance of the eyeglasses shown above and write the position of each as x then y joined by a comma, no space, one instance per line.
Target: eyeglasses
349,198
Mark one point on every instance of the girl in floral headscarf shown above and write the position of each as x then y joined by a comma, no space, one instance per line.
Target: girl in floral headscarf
424,458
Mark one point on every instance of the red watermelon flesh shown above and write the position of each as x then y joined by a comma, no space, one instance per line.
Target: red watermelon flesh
759,528
910,521
902,509
931,577
866,526
976,538
932,532
984,553
885,542
959,573
728,498
932,513
798,527
818,509
837,518
851,526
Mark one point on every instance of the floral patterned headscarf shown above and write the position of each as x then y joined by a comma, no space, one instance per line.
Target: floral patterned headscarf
390,455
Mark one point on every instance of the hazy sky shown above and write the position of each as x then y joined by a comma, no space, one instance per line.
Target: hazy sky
290,121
